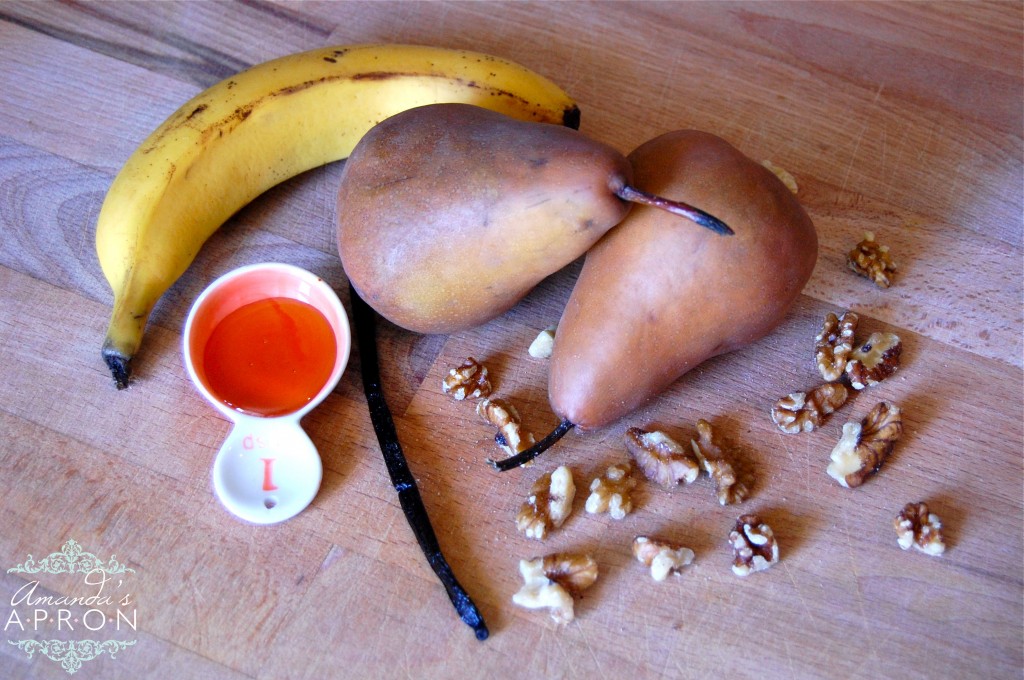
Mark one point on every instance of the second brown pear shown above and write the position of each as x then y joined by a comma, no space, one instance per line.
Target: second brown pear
449,214
653,300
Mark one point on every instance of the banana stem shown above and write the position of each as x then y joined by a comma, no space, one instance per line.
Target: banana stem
704,219
524,457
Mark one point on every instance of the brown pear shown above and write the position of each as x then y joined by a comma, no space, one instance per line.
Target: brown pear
449,214
653,301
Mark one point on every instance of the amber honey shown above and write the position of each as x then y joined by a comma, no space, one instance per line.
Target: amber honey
270,357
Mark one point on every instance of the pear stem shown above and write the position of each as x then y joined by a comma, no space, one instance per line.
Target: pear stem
529,454
706,220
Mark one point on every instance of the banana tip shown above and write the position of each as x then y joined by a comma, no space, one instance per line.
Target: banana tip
119,369
571,117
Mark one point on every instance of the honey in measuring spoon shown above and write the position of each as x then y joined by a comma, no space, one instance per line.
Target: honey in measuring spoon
270,357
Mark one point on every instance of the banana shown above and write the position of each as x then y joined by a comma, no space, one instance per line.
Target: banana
240,137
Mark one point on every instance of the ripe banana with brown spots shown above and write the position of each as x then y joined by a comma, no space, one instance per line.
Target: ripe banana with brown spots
240,137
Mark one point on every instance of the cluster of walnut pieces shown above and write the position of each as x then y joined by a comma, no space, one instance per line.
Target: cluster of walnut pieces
839,357
841,362
470,382
872,260
919,528
553,580
549,503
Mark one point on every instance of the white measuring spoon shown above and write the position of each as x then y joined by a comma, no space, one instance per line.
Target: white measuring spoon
268,469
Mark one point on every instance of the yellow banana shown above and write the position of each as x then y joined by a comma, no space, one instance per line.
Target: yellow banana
253,130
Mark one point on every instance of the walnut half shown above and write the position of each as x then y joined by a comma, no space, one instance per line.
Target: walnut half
611,492
864,446
468,381
875,360
661,458
714,461
753,544
872,260
832,346
917,527
549,503
552,581
505,417
804,411
662,557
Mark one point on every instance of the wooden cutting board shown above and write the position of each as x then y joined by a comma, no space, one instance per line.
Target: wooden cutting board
903,119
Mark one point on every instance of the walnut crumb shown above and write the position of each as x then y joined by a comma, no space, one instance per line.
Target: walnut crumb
917,527
875,360
718,466
543,344
660,458
611,492
872,260
662,557
552,581
467,381
549,503
864,446
753,544
783,176
833,345
805,411
505,417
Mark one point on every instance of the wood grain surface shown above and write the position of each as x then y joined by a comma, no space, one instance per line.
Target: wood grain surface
904,119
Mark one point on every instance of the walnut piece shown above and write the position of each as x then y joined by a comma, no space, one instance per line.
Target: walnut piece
728,488
610,492
662,557
661,458
753,544
543,344
505,417
784,176
552,581
875,360
803,412
871,260
468,381
833,345
918,527
548,505
864,446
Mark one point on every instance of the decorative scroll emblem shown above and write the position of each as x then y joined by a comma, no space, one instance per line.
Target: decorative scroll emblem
70,560
33,611
71,654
